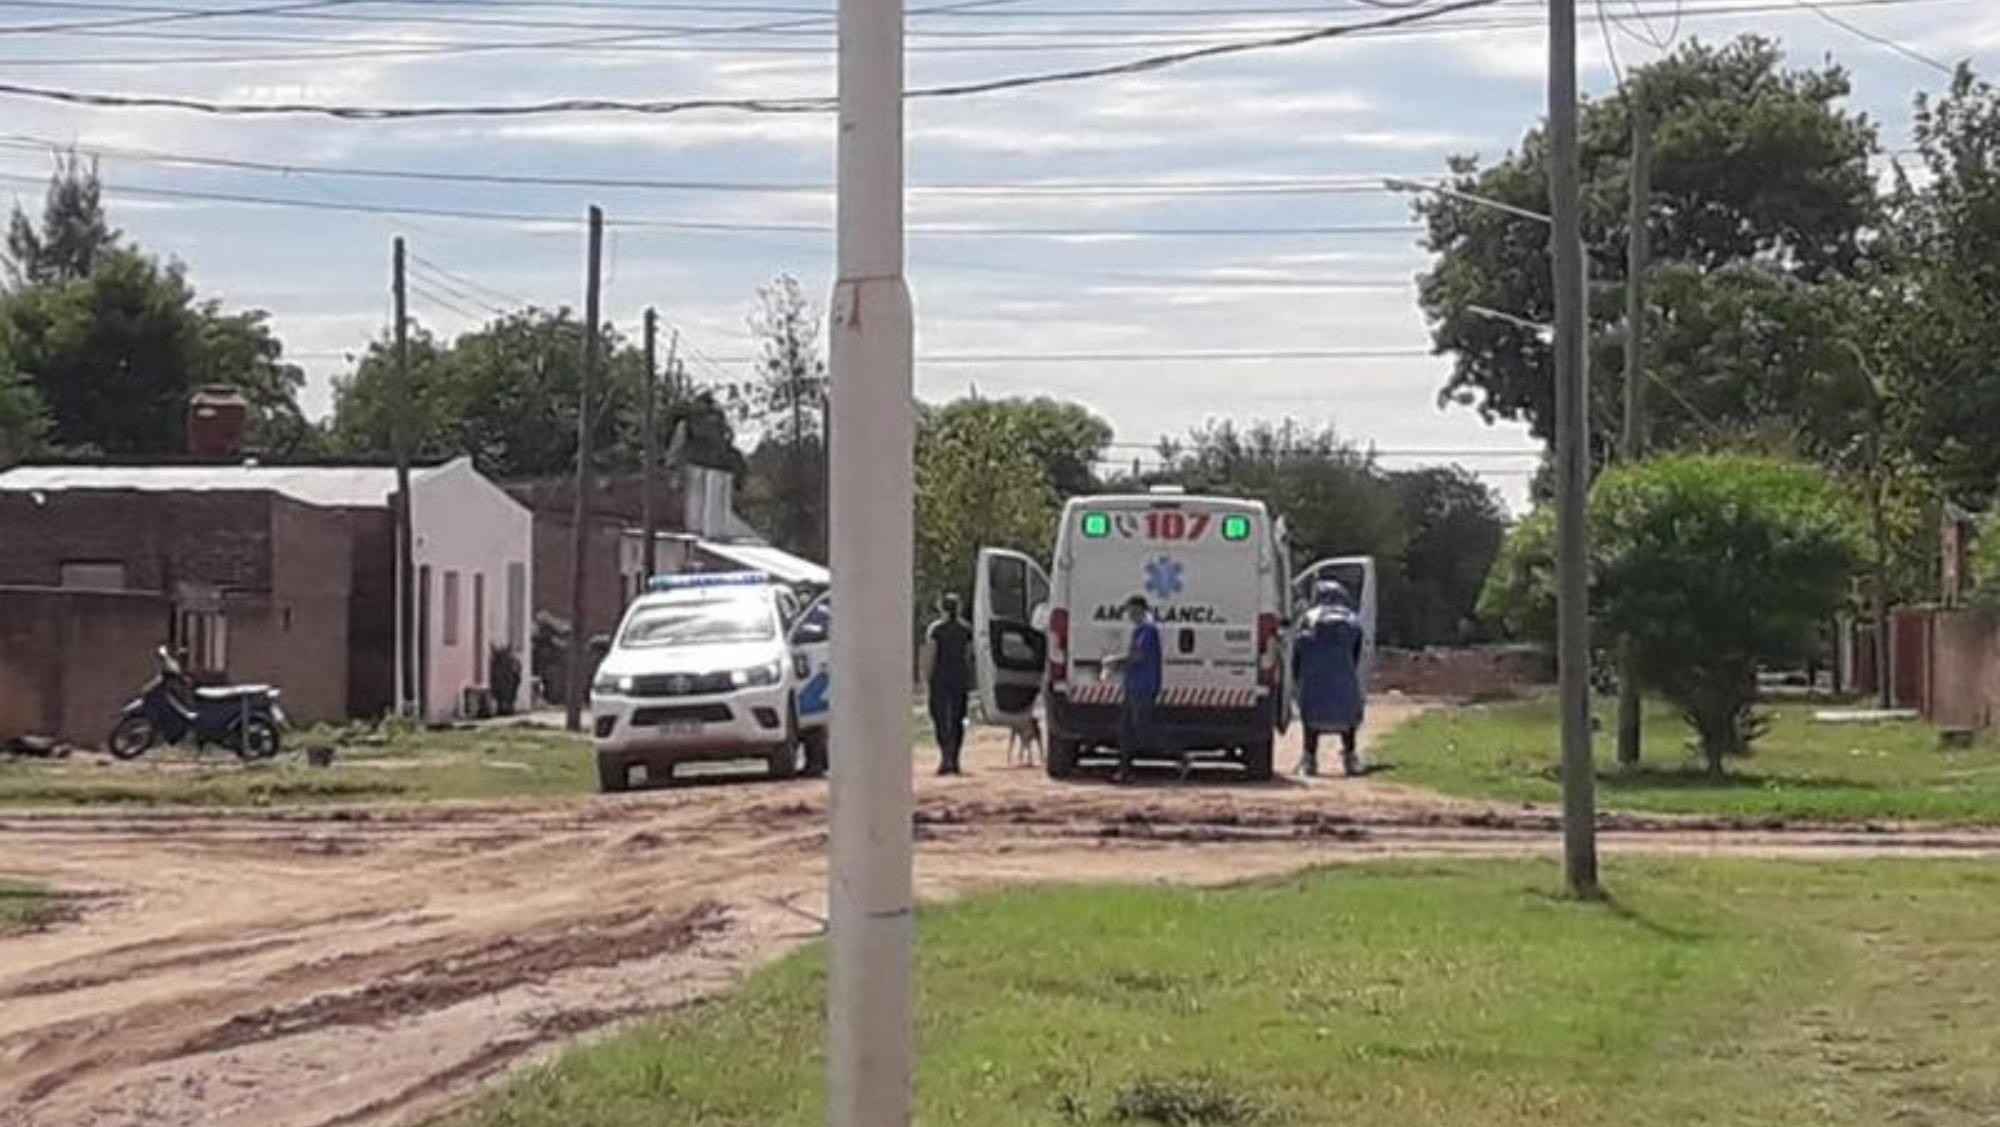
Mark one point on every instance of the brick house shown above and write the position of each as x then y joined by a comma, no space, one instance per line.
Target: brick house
258,573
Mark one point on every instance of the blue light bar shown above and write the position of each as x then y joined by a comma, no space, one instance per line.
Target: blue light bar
708,579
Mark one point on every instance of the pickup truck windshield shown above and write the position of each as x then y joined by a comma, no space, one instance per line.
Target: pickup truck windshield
704,622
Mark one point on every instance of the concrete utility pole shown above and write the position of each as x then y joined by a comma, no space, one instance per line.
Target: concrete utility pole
869,1028
1572,461
579,553
399,438
648,521
1638,251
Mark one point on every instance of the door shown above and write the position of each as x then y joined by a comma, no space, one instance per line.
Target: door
812,652
1010,654
479,628
1357,574
1281,540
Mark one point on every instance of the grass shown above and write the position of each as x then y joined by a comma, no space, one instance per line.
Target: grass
1712,992
1799,770
410,766
26,907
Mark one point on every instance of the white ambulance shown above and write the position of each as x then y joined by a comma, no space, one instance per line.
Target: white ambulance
1218,575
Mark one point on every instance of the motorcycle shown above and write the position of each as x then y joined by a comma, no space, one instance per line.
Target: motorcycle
245,719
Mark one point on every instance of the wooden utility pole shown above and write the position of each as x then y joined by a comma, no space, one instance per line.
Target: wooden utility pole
579,553
649,457
407,694
1638,250
1579,779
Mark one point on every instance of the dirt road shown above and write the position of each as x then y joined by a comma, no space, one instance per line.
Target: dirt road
317,968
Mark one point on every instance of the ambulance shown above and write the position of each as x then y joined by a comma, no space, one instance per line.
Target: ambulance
1217,572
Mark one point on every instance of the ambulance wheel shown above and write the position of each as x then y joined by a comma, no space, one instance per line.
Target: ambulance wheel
1259,760
1062,757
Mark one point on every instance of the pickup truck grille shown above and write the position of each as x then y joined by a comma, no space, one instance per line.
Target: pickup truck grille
667,685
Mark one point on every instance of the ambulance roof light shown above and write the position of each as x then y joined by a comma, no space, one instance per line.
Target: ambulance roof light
1168,490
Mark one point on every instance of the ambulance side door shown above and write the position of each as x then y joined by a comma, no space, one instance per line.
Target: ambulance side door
1010,651
1357,574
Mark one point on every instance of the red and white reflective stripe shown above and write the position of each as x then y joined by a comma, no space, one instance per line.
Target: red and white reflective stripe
1103,692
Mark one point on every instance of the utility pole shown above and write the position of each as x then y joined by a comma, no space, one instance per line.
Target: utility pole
579,553
399,438
1572,462
870,1038
648,521
1638,250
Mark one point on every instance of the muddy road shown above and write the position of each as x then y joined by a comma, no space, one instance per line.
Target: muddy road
321,968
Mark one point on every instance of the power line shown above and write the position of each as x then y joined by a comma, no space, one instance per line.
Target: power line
1370,183
821,104
171,15
1213,355
438,299
696,226
1878,39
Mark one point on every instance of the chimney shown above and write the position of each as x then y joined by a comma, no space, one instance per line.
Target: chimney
217,416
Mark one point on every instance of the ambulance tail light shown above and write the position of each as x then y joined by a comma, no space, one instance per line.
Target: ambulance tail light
1058,644
1267,649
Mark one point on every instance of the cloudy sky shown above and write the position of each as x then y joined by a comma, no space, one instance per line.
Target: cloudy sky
1226,206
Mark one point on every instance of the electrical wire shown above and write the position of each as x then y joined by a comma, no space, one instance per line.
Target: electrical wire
180,15
443,302
1879,40
1142,65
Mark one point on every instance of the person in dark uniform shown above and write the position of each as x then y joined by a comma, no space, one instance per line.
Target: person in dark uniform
1141,669
1326,666
948,676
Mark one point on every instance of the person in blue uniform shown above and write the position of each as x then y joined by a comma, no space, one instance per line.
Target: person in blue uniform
1141,668
1326,667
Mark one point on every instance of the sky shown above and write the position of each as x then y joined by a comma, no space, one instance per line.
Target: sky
1062,238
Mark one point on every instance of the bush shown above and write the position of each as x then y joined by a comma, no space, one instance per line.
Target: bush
1519,598
1714,565
504,675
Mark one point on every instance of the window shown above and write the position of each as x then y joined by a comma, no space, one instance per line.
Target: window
517,607
702,622
93,576
449,631
816,624
479,628
202,638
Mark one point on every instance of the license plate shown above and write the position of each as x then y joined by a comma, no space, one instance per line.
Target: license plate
681,727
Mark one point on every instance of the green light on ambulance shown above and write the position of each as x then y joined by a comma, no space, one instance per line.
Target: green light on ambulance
1096,526
1236,528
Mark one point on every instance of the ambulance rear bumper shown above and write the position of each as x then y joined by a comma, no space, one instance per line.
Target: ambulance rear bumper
1177,727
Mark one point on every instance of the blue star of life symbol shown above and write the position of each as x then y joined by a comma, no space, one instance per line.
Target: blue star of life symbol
1163,578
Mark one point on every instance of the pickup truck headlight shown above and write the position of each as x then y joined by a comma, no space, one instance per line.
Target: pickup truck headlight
608,685
758,676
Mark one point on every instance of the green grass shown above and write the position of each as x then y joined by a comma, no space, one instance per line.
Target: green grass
25,907
412,766
1799,770
1714,992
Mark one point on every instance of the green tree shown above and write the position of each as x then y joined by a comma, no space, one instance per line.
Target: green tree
1716,565
1067,439
1453,525
506,395
785,492
1519,596
1937,343
980,483
73,235
1753,165
23,418
1333,498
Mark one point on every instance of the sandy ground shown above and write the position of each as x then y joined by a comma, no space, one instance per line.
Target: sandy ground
315,968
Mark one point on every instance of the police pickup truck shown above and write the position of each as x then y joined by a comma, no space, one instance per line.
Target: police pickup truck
708,668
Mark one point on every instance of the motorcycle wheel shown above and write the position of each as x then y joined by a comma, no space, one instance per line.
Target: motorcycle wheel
258,740
132,738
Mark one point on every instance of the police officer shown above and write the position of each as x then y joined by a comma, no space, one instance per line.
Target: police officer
948,675
1326,666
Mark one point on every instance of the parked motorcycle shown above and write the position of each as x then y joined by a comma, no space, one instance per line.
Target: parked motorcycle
172,710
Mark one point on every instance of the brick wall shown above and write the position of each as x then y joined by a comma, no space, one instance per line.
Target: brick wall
371,613
296,637
1466,673
69,660
220,538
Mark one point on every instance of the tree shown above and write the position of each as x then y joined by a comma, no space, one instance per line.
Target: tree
1753,165
1519,597
786,491
23,418
1714,566
1066,439
1938,340
980,483
505,395
1334,500
1452,525
74,234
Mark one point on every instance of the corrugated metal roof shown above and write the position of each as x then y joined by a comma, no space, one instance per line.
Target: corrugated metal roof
334,486
774,562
